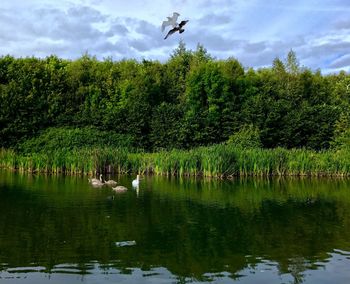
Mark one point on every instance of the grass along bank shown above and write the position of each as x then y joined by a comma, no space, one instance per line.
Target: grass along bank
222,161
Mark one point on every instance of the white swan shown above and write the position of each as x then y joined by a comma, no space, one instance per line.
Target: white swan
95,181
135,182
111,182
171,21
119,188
97,184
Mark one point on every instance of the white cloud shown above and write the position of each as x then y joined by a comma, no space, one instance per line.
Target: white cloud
343,61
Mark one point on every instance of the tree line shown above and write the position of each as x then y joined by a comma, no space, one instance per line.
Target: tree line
190,100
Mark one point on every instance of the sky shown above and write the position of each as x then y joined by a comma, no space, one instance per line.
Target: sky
254,32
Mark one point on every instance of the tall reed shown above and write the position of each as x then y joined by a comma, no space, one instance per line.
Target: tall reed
215,161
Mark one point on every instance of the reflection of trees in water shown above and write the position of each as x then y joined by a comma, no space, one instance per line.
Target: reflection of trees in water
297,267
189,229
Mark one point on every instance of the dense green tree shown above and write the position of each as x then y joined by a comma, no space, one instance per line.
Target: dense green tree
166,125
292,63
232,96
190,100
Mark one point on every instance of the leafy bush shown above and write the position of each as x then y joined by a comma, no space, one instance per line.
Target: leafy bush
74,138
343,140
247,137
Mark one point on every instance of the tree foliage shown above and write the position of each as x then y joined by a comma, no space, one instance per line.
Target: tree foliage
190,100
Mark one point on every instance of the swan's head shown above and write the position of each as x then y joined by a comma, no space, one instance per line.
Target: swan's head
176,14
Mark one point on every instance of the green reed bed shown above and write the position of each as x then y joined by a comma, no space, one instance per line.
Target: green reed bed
8,159
228,160
76,161
216,161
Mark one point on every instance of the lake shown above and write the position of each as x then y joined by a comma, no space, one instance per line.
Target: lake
59,229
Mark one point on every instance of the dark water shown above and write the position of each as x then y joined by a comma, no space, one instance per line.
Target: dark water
61,230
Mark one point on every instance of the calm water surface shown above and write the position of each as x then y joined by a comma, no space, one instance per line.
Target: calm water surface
61,230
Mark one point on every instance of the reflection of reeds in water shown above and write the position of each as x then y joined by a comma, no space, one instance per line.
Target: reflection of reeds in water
215,161
251,193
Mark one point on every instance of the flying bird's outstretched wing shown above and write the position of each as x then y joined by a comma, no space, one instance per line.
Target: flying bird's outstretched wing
174,19
171,21
171,32
182,23
165,24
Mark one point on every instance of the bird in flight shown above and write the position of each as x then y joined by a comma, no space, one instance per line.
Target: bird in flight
171,21
177,29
